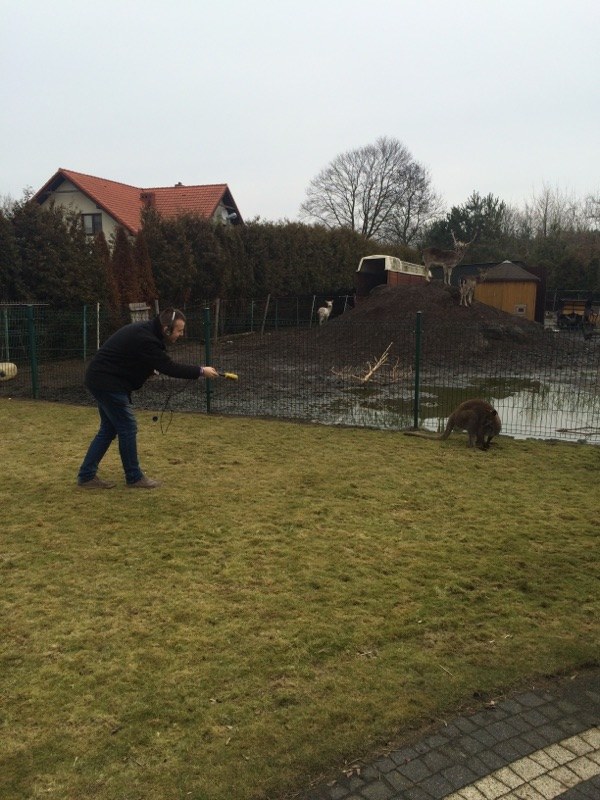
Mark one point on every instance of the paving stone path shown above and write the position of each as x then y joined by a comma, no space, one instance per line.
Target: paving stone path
535,745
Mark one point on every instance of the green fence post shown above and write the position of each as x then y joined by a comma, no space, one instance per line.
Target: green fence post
6,334
84,332
417,371
32,353
207,335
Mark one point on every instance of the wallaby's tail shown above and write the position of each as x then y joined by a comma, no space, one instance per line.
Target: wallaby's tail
424,435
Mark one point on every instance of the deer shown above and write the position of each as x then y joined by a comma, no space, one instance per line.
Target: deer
324,311
447,259
467,290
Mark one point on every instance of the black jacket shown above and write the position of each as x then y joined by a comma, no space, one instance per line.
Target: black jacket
129,357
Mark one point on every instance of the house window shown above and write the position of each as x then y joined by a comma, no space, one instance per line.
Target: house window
92,223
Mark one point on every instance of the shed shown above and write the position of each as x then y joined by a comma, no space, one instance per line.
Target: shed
510,288
377,270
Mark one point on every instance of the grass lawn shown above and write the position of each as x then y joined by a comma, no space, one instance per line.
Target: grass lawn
293,597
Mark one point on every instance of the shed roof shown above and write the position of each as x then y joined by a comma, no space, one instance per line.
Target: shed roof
509,272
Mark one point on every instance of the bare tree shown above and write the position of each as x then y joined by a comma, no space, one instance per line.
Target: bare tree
552,211
416,205
592,210
376,190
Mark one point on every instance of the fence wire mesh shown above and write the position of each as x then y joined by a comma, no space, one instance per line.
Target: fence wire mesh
341,373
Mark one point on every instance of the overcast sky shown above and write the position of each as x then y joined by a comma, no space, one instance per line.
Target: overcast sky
499,96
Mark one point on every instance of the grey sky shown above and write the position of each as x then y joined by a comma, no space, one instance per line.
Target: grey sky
493,96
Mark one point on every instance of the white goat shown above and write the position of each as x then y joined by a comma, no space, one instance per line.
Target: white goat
324,311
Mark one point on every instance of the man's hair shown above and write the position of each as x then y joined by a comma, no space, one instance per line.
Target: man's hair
169,316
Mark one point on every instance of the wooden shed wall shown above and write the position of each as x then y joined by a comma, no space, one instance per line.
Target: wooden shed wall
402,279
508,296
366,281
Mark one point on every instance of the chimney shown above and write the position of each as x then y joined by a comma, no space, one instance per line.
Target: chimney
147,199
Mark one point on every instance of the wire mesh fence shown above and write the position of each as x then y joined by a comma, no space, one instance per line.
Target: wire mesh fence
391,373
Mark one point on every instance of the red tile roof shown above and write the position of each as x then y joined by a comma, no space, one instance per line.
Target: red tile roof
124,203
171,201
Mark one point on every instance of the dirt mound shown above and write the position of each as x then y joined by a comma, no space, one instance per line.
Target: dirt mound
389,314
438,304
455,340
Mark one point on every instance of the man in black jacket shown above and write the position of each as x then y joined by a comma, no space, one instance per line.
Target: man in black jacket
123,364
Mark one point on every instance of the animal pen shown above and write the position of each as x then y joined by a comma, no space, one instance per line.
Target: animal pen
389,271
381,365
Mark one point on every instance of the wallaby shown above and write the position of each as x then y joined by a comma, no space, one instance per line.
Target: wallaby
477,417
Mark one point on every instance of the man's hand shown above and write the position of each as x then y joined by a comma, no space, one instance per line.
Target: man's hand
210,372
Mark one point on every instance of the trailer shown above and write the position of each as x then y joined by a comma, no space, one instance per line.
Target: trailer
573,314
387,270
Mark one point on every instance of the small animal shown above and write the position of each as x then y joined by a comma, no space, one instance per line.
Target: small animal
467,290
447,259
324,311
477,417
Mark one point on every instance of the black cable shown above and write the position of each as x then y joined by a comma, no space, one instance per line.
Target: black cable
174,392
164,427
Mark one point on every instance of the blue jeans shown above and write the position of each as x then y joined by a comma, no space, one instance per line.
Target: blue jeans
116,420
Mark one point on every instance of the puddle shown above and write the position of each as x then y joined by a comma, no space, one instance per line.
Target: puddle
528,408
531,409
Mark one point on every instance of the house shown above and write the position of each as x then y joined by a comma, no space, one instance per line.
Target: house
105,205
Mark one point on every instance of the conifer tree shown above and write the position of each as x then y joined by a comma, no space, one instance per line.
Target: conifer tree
52,260
112,298
124,269
86,275
171,257
11,286
141,257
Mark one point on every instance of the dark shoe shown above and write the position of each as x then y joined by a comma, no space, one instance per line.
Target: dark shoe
96,483
144,483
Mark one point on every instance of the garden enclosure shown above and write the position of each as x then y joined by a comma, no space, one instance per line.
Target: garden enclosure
384,364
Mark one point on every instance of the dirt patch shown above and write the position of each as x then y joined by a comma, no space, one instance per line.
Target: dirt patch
470,337
477,331
315,373
439,304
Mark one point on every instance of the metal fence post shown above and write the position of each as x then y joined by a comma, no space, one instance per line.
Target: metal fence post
32,353
417,371
6,334
84,332
207,333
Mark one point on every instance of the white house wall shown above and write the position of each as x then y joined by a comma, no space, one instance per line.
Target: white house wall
69,196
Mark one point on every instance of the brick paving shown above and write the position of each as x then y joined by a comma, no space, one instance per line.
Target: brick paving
535,745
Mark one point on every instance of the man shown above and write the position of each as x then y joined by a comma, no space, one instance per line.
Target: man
123,364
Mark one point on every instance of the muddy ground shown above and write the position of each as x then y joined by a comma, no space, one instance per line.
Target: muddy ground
318,374
476,337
